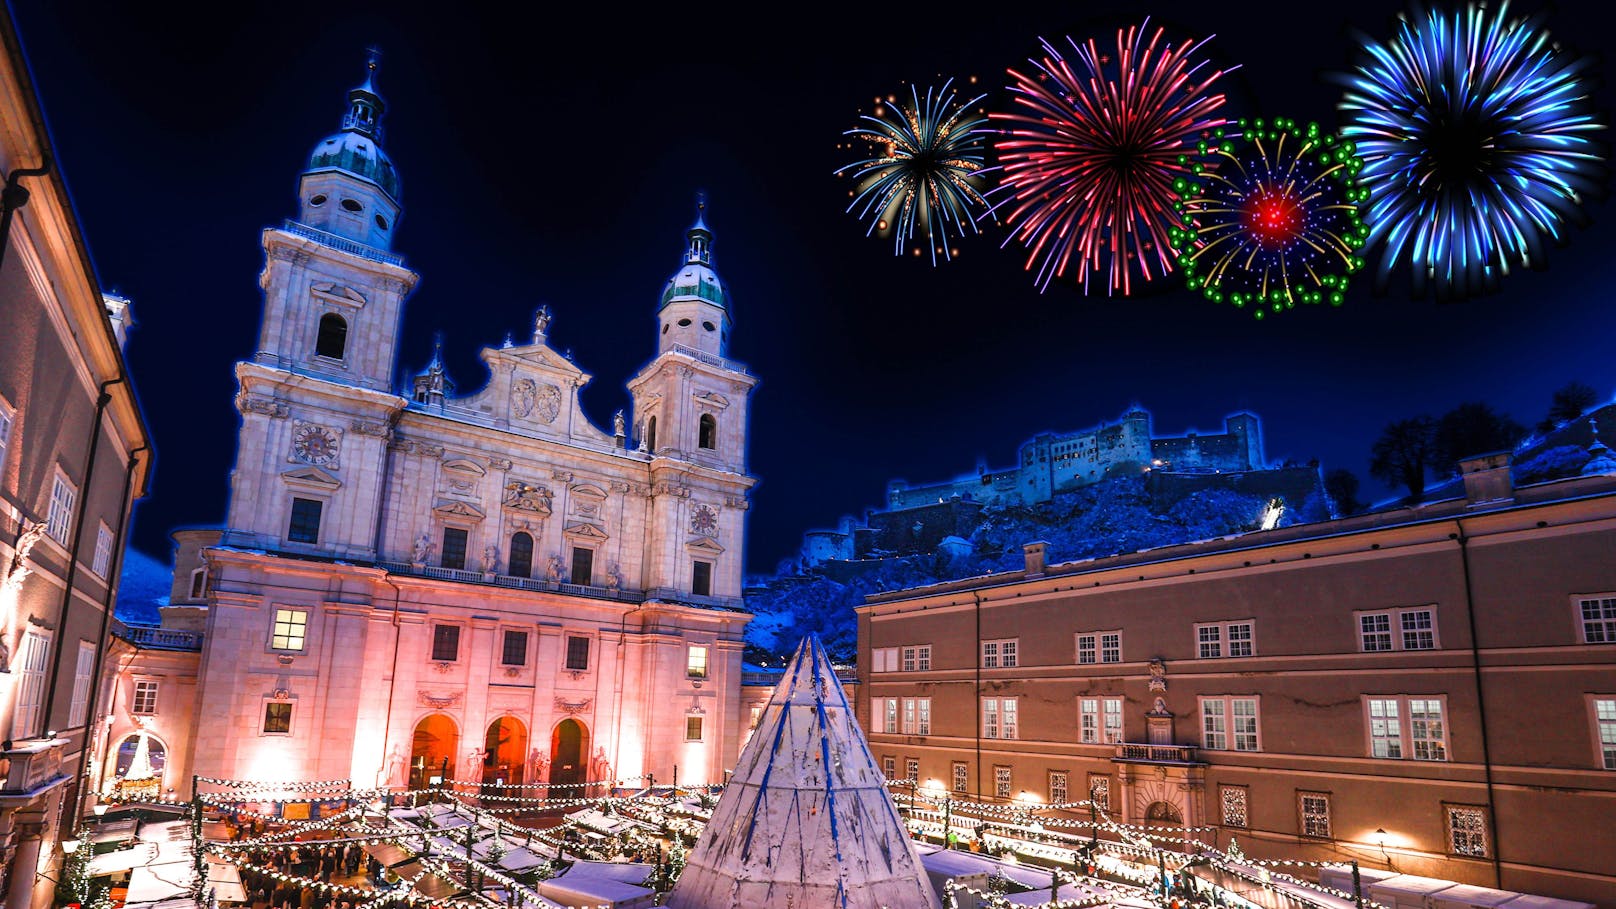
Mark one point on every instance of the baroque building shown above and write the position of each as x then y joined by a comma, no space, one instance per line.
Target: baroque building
413,585
1430,689
75,454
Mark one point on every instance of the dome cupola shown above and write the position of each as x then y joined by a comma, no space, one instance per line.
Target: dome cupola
350,187
694,310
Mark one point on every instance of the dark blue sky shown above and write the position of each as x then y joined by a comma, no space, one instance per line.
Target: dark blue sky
554,158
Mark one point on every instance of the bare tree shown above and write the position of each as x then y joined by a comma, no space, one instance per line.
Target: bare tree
1341,485
1570,401
1471,429
1403,454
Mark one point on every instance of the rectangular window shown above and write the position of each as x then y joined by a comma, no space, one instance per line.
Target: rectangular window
290,629
79,711
1113,720
278,718
145,701
1057,787
1088,720
692,728
1229,724
102,563
917,716
1099,647
999,654
696,662
1598,616
445,643
1211,638
1100,792
35,656
1385,728
514,649
1099,720
889,715
912,770
1403,727
1314,808
7,421
884,659
1001,781
1234,805
59,523
304,527
1397,629
1088,649
990,718
1426,731
1605,729
1111,647
1007,708
583,566
454,548
577,652
923,725
917,658
1467,830
889,767
701,578
962,776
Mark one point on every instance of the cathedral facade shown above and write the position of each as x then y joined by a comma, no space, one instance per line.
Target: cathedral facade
413,586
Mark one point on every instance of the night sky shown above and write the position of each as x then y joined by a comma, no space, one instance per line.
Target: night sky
555,158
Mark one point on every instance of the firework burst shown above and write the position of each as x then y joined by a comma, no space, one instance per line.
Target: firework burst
1475,134
925,171
1275,221
1090,150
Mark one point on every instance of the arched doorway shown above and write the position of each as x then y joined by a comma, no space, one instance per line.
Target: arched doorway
1165,812
137,768
432,751
569,750
504,751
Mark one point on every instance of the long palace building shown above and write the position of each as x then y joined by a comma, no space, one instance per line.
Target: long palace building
1431,689
413,585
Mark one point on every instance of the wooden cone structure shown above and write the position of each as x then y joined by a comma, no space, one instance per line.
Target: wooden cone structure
806,821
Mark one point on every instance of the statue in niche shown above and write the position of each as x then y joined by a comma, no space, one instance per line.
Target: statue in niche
556,572
614,577
490,558
422,550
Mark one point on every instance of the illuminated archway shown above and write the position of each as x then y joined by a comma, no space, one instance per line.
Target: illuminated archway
504,751
569,755
1164,812
432,752
137,766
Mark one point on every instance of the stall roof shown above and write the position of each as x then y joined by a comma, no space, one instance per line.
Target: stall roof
635,873
1470,895
389,854
122,860
1533,901
225,882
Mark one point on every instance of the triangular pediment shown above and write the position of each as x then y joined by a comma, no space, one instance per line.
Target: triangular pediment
458,510
584,531
714,399
312,477
541,355
704,544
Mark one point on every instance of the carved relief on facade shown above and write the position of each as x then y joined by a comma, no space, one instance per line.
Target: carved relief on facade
573,708
376,430
429,450
524,393
500,463
737,502
247,404
547,404
713,399
461,476
438,701
528,498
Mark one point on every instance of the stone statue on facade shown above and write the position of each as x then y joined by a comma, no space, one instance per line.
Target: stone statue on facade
395,766
422,550
619,425
541,323
538,765
490,558
556,573
614,577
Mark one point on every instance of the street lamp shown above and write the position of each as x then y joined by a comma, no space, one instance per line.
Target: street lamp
1380,833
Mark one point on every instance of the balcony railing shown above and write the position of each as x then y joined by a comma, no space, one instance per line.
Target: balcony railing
709,359
342,243
1156,754
501,580
772,676
162,638
33,766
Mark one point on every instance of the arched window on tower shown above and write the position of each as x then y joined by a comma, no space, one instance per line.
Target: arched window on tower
333,336
707,431
521,555
650,435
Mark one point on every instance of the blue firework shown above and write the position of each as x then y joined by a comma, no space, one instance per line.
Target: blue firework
1476,136
924,171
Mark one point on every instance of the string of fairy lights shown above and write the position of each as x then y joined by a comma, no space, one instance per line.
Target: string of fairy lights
452,831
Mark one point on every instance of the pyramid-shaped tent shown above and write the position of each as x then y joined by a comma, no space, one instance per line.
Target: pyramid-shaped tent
805,821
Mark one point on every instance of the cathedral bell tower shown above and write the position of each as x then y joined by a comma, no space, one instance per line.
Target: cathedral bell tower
316,398
690,420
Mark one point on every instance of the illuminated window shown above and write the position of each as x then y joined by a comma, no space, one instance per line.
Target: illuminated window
278,718
917,716
999,654
962,776
8,419
1099,720
889,714
1100,792
1426,731
889,767
304,526
1598,616
59,522
696,662
912,768
577,652
1467,830
290,629
1229,724
514,649
1057,787
445,643
1211,638
1234,805
145,699
1001,781
1385,728
692,728
1314,811
998,718
1605,725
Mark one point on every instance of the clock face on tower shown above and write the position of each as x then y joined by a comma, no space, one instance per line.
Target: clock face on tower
314,444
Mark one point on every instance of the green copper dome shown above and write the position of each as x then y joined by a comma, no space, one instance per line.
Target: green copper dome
697,278
357,154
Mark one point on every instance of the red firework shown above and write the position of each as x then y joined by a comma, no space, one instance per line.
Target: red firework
1089,154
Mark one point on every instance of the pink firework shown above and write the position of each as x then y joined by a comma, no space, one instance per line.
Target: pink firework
1089,154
